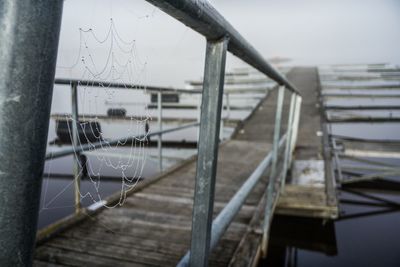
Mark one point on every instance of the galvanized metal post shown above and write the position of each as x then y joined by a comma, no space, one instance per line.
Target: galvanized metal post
289,138
159,140
226,216
221,129
75,143
198,118
210,119
228,107
271,183
296,120
338,165
29,33
226,116
277,129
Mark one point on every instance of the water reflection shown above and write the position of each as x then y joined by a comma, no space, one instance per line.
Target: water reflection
366,233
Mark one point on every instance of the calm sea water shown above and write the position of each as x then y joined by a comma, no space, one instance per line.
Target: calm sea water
364,235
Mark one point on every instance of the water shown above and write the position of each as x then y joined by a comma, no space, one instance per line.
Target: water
372,240
57,198
58,189
366,233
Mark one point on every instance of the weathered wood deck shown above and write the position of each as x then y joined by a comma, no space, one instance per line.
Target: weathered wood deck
307,190
153,227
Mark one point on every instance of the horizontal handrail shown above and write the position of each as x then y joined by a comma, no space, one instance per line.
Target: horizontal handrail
206,20
95,83
225,217
150,88
96,145
362,139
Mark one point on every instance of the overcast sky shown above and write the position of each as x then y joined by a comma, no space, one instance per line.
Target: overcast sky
167,53
308,31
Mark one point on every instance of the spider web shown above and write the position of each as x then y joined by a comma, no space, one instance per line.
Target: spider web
121,64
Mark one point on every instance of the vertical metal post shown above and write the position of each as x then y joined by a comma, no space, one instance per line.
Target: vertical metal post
29,33
289,138
271,183
198,117
228,107
221,129
277,129
75,143
210,119
337,161
159,140
226,116
296,120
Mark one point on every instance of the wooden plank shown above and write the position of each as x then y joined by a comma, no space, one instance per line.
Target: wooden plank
370,148
114,252
137,229
363,116
305,201
155,202
72,258
37,263
72,220
248,251
147,246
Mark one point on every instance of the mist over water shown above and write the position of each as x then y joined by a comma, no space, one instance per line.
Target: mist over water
310,32
316,32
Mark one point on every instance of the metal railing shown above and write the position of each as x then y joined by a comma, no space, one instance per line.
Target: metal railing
29,99
275,184
77,148
222,37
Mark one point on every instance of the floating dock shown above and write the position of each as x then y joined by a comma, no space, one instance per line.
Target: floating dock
310,190
153,227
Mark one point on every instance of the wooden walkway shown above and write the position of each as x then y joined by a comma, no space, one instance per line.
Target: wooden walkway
307,190
153,227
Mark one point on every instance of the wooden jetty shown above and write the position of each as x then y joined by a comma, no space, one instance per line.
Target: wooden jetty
309,191
153,227
364,158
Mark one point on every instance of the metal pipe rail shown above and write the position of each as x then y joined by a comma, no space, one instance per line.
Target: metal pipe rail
29,35
94,83
40,21
276,180
221,223
77,148
151,88
206,20
100,144
221,37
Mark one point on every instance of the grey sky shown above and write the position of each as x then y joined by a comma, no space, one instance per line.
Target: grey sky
308,31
